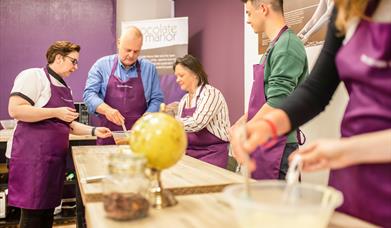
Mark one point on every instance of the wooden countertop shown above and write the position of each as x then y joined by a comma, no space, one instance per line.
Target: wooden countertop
188,176
5,134
205,210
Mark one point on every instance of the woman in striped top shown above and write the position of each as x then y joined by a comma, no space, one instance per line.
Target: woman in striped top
204,113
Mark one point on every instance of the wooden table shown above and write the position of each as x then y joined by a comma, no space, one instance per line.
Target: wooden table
205,210
5,134
74,140
188,176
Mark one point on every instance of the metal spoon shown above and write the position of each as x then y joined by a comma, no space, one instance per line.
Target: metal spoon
292,176
123,127
291,194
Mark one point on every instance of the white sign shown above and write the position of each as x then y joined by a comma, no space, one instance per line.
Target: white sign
161,32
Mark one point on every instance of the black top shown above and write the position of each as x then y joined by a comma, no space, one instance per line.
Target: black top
314,94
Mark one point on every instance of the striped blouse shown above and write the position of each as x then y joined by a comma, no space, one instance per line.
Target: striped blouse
211,112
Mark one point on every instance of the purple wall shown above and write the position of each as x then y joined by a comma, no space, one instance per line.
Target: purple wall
216,31
28,27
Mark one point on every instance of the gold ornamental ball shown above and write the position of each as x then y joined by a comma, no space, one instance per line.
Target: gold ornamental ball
160,138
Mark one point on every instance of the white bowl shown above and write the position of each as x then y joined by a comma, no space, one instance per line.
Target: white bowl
309,205
8,124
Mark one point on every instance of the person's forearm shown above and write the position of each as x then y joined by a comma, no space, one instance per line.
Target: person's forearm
280,119
261,130
103,108
314,94
80,129
28,113
156,96
372,147
277,116
266,108
154,105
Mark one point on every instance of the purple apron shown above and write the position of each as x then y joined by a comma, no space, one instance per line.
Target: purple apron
39,149
125,96
204,145
366,72
268,160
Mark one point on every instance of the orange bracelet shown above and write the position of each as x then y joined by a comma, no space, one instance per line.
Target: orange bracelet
273,139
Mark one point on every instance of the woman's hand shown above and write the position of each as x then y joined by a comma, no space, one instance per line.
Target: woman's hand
66,114
324,154
102,132
172,108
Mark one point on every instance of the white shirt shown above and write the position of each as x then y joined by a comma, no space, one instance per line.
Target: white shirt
33,84
211,112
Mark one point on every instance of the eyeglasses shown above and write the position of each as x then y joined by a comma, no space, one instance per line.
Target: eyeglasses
73,60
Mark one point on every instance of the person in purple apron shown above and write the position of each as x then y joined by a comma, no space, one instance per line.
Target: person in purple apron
203,112
42,103
357,51
120,88
282,67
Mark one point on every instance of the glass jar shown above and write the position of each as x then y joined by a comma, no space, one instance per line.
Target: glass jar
125,188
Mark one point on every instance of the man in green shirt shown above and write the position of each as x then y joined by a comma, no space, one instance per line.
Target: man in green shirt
282,67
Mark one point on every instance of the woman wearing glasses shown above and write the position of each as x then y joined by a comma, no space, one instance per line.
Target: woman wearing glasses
42,103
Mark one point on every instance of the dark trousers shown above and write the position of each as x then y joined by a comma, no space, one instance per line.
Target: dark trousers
80,215
36,218
289,148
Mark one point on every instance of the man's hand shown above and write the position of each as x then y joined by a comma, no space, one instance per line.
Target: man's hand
114,116
110,113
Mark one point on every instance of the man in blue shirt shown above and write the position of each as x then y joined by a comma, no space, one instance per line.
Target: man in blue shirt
122,87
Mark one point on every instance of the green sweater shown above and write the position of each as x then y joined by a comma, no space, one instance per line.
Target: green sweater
285,68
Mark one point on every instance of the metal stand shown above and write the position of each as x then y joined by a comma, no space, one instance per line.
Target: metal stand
157,196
